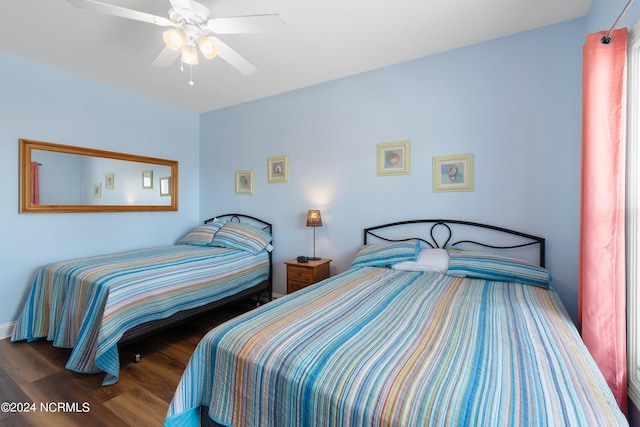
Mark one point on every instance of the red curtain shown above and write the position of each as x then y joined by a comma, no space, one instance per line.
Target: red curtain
35,184
602,285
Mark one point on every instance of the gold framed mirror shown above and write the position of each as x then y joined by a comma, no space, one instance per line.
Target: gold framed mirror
65,178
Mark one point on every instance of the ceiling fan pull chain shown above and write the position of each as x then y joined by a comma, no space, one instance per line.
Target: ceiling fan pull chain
191,75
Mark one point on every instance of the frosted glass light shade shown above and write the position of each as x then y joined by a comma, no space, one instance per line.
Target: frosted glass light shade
190,54
174,39
208,47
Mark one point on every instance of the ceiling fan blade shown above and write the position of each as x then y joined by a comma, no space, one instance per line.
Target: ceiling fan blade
246,24
166,57
122,12
233,58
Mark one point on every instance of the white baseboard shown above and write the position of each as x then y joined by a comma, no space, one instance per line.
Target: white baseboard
6,330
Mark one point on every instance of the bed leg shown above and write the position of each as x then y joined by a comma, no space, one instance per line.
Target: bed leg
259,299
136,355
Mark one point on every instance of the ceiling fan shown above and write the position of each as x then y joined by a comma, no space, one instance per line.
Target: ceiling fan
191,24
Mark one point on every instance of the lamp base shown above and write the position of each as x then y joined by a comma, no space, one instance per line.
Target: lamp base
314,258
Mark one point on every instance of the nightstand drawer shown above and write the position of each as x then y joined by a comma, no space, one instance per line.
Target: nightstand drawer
294,285
300,274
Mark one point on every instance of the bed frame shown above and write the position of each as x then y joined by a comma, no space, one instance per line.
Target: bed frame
260,291
440,234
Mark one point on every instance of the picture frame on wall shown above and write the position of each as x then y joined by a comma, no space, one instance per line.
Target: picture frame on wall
147,179
97,190
453,173
108,181
244,182
394,158
277,169
165,186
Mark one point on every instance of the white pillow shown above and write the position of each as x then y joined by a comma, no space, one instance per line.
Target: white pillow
428,260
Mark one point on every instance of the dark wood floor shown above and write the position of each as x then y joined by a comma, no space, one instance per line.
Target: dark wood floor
33,375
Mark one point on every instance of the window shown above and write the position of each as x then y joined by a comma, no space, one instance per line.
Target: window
633,221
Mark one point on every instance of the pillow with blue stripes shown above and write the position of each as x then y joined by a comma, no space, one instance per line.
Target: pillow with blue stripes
244,237
202,235
490,266
387,254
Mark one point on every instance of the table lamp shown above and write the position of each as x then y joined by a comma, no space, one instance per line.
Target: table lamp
314,220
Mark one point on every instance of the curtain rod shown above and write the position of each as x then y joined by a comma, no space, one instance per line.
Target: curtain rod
606,39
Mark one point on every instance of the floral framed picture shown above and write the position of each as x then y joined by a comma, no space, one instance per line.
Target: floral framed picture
278,169
393,158
244,182
453,173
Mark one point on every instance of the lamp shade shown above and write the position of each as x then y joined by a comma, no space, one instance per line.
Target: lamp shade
208,47
174,38
189,54
314,219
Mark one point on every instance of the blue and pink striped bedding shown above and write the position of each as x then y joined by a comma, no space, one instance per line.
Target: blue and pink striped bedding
88,304
380,347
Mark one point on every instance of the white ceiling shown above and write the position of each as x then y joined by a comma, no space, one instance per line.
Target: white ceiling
321,41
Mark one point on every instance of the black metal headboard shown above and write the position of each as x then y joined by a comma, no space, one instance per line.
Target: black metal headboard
445,238
267,226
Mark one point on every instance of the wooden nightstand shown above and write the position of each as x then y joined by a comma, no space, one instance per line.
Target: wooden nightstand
302,274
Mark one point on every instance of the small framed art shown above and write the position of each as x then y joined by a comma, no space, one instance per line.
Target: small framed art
108,181
244,182
453,173
97,190
278,169
393,158
165,186
147,179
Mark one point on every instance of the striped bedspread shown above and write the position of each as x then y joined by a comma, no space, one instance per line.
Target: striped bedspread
379,347
88,304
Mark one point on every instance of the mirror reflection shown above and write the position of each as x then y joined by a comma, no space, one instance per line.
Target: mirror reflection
59,178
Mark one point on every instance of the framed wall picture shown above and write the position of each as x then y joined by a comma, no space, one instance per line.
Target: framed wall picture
244,182
97,190
147,179
453,173
278,169
108,181
165,186
393,158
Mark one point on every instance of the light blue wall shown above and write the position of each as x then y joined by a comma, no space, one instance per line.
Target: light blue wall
513,102
43,104
603,14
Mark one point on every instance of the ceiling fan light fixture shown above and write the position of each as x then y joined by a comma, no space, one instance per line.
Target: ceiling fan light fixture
208,47
174,38
190,54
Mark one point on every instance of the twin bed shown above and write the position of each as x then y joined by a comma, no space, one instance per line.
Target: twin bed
438,330
94,304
